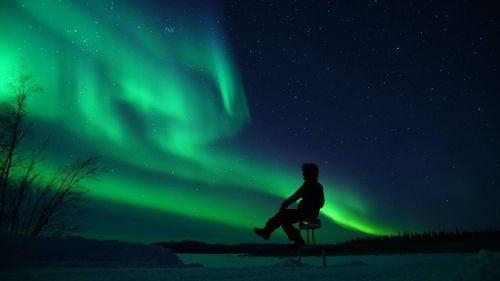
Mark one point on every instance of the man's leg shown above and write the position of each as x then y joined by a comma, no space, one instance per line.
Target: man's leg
293,233
271,225
284,218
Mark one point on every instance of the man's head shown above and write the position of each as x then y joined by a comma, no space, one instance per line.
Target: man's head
310,171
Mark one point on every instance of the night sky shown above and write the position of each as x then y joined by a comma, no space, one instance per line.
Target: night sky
203,112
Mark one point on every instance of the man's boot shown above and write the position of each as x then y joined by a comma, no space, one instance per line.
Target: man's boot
262,232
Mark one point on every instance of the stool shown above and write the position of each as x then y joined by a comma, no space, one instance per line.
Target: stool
310,225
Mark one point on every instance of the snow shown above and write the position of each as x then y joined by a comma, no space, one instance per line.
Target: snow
25,250
55,259
471,267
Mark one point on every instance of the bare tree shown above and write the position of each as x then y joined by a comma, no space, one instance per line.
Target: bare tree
14,132
30,201
55,205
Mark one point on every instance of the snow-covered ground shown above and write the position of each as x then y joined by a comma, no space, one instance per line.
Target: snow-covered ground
26,250
481,266
238,260
25,258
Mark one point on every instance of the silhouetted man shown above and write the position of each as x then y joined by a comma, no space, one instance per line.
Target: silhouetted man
312,201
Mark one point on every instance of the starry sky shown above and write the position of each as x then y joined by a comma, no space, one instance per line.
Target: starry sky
203,111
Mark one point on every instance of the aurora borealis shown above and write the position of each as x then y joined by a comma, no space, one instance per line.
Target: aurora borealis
162,93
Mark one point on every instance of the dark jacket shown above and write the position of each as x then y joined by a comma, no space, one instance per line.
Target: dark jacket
313,199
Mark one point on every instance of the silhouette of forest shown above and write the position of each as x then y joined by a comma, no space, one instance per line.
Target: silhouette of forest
421,242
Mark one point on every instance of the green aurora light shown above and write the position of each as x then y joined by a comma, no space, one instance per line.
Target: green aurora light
157,102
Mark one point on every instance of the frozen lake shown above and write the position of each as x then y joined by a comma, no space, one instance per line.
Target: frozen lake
236,260
429,267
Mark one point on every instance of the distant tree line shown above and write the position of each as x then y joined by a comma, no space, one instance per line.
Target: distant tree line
32,200
421,242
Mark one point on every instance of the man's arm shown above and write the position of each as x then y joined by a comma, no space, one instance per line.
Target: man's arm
296,196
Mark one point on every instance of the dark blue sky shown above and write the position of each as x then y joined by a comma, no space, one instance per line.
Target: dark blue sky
400,97
203,111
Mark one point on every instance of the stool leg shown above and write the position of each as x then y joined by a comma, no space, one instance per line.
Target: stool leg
314,242
324,257
300,257
307,231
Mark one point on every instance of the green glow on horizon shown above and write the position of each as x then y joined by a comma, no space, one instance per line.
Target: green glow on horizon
154,100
